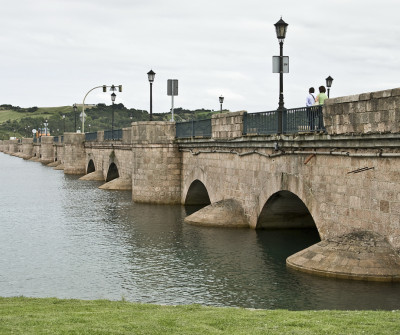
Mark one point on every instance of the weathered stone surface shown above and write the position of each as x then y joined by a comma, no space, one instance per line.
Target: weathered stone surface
74,153
376,112
360,255
117,184
224,213
96,175
59,167
54,164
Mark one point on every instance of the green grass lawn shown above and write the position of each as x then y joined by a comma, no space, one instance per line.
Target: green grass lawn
54,316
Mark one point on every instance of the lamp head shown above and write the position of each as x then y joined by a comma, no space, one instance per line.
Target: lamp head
329,81
281,28
151,74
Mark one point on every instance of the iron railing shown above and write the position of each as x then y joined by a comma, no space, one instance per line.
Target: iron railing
193,128
110,135
295,120
91,136
263,123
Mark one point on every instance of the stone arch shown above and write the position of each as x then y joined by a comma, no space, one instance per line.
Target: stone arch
299,187
91,167
112,172
197,194
200,174
285,210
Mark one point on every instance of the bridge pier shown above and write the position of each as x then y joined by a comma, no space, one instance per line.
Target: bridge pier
156,175
27,148
74,153
47,149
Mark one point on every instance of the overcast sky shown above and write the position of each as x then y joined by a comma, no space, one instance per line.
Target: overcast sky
54,51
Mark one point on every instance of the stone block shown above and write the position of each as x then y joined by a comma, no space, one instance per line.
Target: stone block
381,94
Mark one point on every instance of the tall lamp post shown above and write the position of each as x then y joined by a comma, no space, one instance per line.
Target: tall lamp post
221,101
45,127
113,96
329,83
151,74
281,28
75,109
64,121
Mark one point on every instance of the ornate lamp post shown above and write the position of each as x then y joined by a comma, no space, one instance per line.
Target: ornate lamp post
151,74
75,110
113,96
329,83
45,127
281,28
221,101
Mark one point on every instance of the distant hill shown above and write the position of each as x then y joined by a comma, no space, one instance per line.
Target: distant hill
19,122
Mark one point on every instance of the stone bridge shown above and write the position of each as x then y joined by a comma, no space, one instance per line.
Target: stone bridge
344,182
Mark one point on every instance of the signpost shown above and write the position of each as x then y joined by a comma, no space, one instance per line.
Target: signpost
172,90
275,64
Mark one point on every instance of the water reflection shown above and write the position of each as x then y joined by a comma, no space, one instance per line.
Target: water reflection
64,237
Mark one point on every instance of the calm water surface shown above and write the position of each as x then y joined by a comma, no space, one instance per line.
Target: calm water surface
62,237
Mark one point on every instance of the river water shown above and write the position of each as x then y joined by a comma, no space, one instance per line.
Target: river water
62,237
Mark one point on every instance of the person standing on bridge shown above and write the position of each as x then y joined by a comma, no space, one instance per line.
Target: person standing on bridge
321,97
310,100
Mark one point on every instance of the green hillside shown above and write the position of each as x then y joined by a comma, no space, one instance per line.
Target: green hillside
19,122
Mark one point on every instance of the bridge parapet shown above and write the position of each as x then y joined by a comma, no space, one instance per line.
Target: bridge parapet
227,125
367,113
153,132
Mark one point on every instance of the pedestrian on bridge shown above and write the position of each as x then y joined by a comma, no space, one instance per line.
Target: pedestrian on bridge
310,100
321,97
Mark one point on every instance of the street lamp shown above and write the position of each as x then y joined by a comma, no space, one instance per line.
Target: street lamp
329,83
75,110
151,74
45,127
221,101
113,96
64,121
281,28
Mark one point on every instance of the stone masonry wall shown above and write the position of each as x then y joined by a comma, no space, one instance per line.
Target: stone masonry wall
104,156
27,147
227,125
339,202
156,162
47,149
367,113
74,153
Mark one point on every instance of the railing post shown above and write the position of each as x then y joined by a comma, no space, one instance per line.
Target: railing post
245,123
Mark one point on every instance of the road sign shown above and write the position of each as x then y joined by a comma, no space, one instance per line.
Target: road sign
275,64
172,87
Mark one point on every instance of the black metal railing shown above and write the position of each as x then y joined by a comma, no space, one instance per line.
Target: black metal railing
193,128
55,139
263,123
110,135
91,136
295,120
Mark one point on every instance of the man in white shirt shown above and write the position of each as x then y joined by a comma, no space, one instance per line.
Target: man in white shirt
310,100
310,97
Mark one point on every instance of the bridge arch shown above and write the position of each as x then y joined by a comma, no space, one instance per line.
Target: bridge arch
197,194
91,167
285,210
112,172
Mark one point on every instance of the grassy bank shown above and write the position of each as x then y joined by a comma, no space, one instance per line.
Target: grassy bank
54,316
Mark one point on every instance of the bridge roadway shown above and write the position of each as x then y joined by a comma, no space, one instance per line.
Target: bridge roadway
345,183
